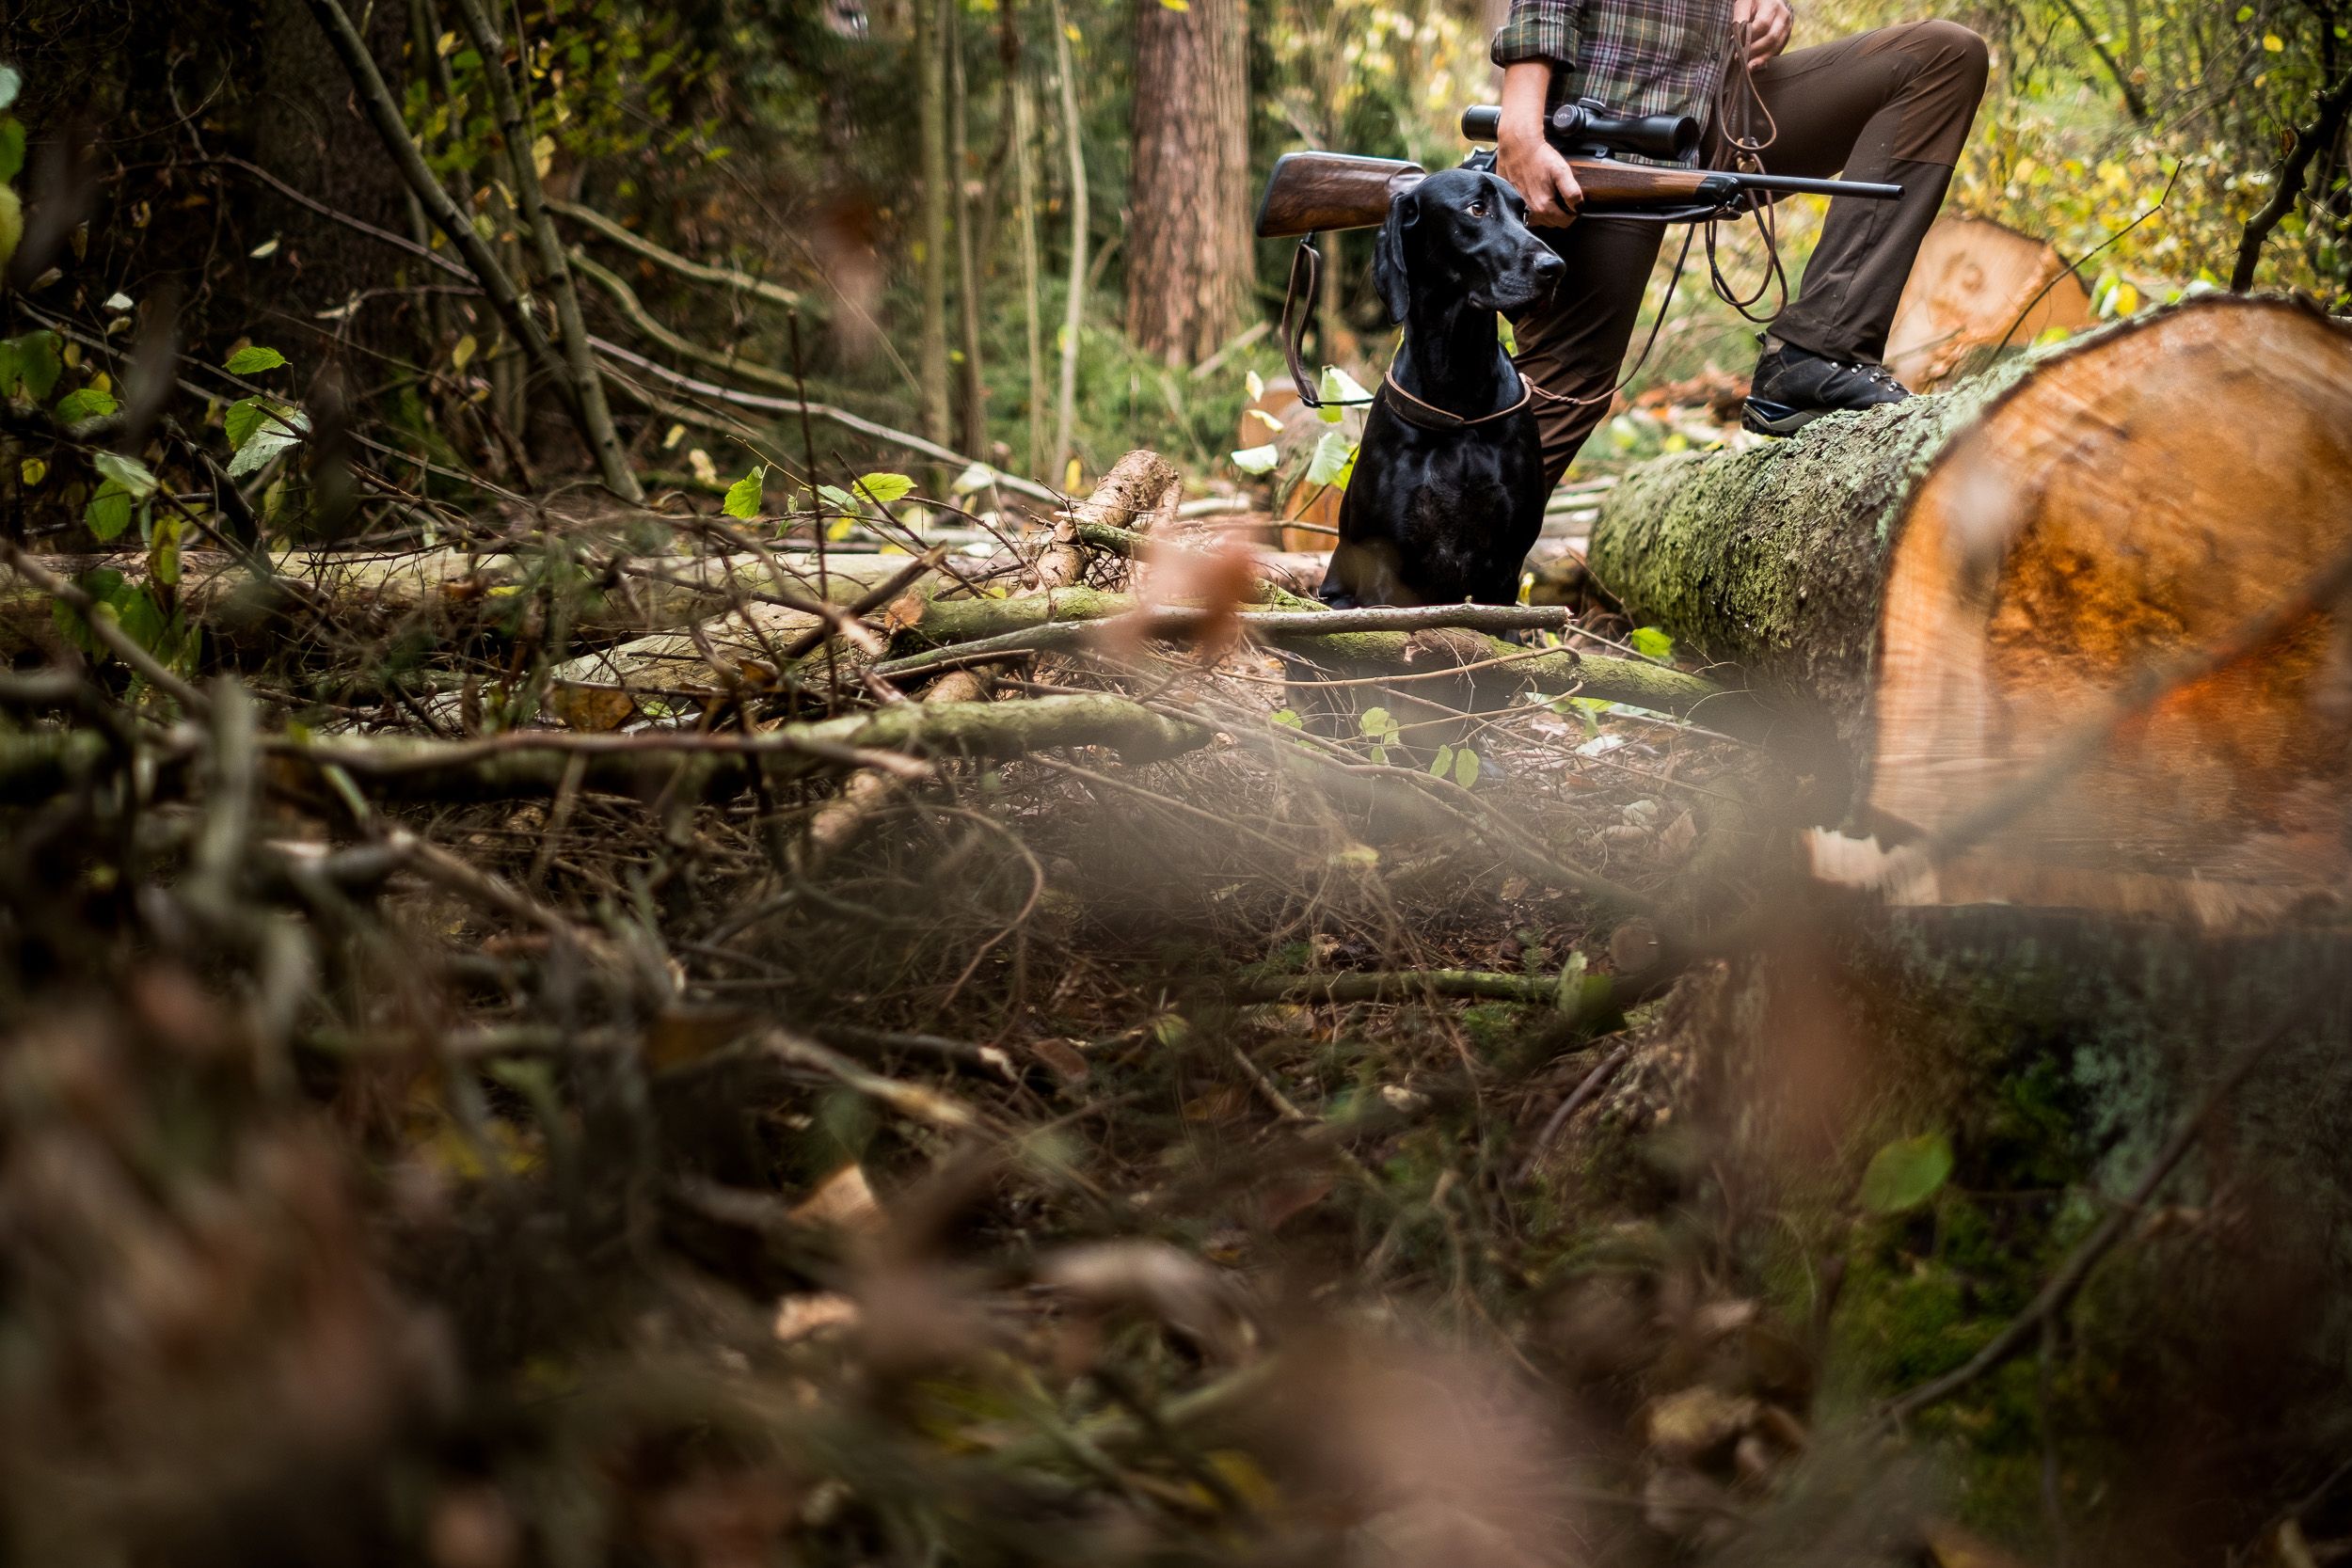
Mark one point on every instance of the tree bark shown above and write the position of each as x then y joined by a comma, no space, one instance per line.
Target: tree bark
1189,256
931,79
1958,584
1074,301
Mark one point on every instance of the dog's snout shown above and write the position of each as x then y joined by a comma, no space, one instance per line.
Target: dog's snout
1549,266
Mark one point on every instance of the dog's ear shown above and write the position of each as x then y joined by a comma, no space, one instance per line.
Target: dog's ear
1391,277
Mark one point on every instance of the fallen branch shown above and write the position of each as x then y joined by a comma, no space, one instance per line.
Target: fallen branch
1278,625
1413,639
889,739
781,406
1583,1094
701,272
1412,984
639,317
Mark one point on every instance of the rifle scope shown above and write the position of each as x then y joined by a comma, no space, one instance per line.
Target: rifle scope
1587,129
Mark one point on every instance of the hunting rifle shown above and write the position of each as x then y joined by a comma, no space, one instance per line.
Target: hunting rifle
1313,191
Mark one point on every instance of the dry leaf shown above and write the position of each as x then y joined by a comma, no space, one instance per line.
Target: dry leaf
1686,1426
1682,832
798,1317
1062,1059
1202,1304
843,1200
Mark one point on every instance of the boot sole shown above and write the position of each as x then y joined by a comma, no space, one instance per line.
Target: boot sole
1777,418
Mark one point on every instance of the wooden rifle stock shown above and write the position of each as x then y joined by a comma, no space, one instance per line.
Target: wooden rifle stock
1311,193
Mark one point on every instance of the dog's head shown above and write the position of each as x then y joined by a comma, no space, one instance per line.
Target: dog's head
1461,236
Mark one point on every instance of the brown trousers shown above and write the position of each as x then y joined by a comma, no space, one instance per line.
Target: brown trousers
1892,105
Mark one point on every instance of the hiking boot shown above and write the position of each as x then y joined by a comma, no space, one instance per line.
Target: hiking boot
1793,386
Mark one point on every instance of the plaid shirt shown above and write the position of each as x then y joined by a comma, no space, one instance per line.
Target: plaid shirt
1638,56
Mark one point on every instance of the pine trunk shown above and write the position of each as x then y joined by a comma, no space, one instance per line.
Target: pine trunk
1189,249
1958,583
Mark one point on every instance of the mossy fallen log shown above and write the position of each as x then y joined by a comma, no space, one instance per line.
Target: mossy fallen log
238,600
1958,582
1637,683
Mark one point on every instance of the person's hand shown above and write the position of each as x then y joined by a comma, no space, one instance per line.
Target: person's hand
1534,166
1766,23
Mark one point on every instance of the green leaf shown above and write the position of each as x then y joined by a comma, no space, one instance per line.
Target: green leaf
163,555
86,402
1906,1173
11,148
1337,388
1334,461
1257,460
1466,767
1289,720
129,472
1376,723
101,585
884,488
744,495
253,359
1443,764
1651,643
11,83
38,365
260,429
109,511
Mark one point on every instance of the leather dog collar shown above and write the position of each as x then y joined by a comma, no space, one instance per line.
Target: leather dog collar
1455,421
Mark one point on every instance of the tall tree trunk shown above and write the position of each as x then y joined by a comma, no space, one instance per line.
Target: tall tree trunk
1024,197
1074,309
1019,121
931,73
975,393
1188,256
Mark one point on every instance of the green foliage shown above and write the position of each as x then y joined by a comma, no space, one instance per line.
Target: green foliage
884,489
84,403
1650,643
259,429
743,497
1459,764
253,359
30,366
170,637
1906,1173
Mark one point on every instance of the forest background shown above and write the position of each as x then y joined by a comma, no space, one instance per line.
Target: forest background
1020,228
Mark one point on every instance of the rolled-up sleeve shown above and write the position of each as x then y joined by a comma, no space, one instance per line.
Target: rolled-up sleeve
1538,31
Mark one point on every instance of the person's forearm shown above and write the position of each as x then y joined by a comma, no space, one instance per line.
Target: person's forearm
1526,88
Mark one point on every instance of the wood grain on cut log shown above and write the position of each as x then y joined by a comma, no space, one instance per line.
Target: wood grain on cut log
1979,287
1963,581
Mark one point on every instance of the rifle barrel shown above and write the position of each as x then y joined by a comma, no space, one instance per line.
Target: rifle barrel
1796,185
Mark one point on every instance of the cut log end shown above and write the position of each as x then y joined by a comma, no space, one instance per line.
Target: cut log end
1963,581
2128,506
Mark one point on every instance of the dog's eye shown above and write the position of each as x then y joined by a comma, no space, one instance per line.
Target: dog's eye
1477,208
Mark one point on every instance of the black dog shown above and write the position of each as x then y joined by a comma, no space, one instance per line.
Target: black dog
1447,496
